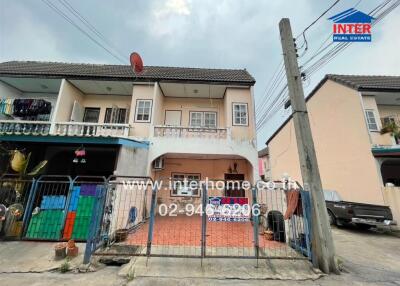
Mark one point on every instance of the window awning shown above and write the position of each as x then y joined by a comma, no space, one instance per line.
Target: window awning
386,151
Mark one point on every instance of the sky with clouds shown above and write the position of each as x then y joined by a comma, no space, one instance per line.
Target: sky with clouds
195,33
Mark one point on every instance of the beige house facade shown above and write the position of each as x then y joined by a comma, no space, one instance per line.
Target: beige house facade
355,158
166,122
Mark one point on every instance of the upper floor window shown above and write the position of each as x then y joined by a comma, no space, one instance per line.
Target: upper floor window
203,119
210,119
116,115
91,114
371,121
388,120
240,114
196,119
143,110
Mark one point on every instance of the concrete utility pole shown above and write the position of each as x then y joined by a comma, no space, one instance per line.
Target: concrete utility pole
322,242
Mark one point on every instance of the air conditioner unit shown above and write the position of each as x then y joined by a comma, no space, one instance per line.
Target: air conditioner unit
158,163
185,191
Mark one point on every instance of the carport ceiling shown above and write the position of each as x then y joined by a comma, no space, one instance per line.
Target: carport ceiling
103,87
193,90
388,98
202,156
36,85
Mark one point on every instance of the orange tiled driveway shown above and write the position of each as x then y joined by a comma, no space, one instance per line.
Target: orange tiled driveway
186,231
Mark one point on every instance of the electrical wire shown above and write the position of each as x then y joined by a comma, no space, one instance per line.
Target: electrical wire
319,51
69,20
305,42
332,53
270,84
90,26
274,107
325,53
319,17
275,81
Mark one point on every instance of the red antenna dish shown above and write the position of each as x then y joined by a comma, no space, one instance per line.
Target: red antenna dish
136,62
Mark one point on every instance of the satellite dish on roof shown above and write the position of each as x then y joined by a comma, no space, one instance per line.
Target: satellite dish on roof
136,62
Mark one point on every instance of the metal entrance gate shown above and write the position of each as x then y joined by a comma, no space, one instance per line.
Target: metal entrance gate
283,224
147,218
14,195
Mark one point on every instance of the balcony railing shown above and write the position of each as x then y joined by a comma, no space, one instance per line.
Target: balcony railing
388,119
387,126
191,132
16,127
91,129
83,129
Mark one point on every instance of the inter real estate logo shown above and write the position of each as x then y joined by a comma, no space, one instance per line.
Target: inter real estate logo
352,26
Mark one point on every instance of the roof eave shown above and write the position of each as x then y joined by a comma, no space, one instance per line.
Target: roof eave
124,78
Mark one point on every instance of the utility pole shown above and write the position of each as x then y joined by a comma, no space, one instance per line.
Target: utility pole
322,242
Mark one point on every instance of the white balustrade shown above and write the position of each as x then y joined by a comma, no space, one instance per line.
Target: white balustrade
24,127
191,132
83,129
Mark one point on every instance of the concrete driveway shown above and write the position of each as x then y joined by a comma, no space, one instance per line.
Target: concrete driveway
367,257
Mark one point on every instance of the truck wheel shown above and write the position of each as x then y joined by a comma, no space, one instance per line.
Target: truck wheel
332,219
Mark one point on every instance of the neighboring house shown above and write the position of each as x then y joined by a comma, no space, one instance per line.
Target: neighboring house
164,122
263,164
346,115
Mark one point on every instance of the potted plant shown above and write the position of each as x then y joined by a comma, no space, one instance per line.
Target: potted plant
392,128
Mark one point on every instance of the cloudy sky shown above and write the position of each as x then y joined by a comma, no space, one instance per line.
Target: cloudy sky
195,33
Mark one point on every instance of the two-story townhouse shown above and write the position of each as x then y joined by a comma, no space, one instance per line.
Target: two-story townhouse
166,122
348,115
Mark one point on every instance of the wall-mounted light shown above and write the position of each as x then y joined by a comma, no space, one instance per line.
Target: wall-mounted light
80,155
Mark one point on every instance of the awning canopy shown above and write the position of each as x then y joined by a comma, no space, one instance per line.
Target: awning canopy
77,140
386,151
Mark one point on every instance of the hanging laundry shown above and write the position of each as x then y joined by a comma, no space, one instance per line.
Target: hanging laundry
294,205
6,106
25,107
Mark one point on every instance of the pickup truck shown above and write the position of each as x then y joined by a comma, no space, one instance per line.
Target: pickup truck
362,215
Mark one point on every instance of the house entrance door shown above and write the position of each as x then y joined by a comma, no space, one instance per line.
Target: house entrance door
234,188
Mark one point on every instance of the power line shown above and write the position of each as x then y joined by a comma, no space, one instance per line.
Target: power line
319,17
270,84
69,20
274,86
272,104
275,81
313,23
274,107
85,22
332,53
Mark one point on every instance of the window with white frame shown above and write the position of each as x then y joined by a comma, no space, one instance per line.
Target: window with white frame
203,119
240,114
371,121
115,116
388,120
210,119
196,119
186,185
143,110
